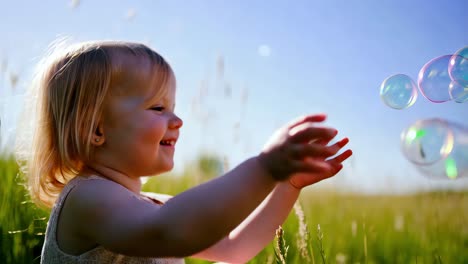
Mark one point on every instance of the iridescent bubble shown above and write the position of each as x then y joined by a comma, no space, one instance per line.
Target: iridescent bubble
398,91
446,157
458,93
426,141
458,67
434,80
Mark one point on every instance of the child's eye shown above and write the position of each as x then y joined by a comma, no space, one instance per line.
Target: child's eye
158,108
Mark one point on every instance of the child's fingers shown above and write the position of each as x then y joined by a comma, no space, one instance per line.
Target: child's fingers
317,151
339,145
336,168
322,142
312,166
342,157
307,133
307,118
301,151
329,151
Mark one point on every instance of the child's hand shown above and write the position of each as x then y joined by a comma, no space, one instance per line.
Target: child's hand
301,180
288,151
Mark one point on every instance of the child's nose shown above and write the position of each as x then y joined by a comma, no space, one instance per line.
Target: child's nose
175,122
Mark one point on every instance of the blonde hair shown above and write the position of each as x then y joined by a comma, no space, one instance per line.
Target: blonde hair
65,106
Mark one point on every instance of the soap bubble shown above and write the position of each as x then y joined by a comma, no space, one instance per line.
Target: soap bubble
458,67
437,147
426,141
398,91
264,50
434,80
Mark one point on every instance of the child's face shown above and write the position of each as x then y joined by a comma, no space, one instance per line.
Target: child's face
136,127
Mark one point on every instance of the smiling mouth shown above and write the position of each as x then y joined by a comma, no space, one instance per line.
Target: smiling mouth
169,143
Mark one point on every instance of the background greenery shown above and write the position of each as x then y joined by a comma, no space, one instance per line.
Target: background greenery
418,228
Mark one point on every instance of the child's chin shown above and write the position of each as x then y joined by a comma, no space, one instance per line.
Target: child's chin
167,167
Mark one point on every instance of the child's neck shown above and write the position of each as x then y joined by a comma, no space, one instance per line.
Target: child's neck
131,183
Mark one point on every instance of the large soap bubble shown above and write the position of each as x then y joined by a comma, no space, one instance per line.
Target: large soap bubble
434,79
427,141
438,148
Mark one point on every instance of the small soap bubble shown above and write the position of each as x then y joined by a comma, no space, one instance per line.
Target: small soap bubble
458,93
458,67
264,50
398,91
434,80
130,14
426,141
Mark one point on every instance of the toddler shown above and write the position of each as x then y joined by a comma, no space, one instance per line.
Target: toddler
105,118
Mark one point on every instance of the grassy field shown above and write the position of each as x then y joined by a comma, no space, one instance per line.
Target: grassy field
325,228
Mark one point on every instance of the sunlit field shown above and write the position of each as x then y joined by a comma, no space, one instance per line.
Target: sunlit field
391,76
326,227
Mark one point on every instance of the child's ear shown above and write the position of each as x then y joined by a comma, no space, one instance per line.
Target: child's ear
98,136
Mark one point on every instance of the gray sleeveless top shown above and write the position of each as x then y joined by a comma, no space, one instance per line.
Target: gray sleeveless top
51,253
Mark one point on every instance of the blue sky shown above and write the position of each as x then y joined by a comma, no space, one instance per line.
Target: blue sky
318,56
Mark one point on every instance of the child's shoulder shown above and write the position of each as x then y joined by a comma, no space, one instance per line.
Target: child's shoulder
87,203
107,214
97,197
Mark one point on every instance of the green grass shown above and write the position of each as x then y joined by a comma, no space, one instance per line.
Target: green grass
418,228
21,224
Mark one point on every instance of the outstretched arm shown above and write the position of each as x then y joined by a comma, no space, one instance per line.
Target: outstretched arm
199,217
258,229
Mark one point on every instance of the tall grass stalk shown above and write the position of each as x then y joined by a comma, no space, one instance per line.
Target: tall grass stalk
303,237
365,242
281,251
320,243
